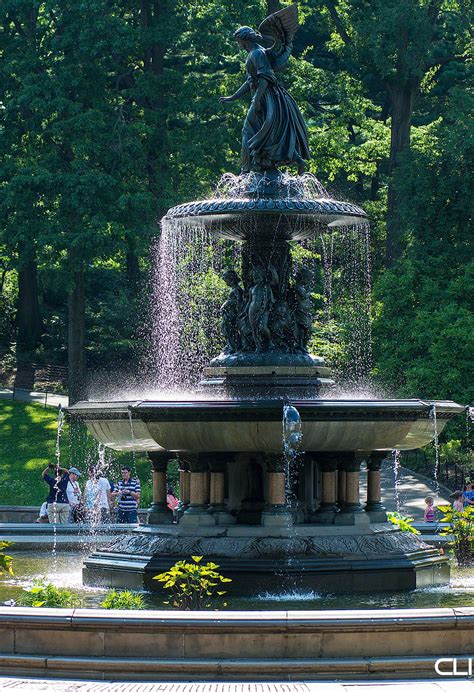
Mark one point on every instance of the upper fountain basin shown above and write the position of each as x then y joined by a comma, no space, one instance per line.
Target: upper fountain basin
288,218
256,425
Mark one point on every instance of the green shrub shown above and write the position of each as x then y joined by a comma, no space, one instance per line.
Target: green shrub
5,560
123,600
403,523
461,530
194,586
45,595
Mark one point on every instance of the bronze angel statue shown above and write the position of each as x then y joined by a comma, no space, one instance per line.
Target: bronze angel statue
274,131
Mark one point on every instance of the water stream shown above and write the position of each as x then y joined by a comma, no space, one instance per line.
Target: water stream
396,477
436,447
57,455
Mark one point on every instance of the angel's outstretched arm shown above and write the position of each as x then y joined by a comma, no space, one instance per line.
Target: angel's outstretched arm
244,89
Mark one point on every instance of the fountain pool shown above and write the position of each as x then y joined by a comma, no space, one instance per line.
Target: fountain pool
459,592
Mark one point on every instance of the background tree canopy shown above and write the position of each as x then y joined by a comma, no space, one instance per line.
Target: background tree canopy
109,115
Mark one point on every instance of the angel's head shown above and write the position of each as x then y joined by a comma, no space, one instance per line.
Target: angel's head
246,36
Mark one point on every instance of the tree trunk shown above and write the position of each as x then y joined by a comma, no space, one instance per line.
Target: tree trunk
28,320
402,99
76,336
273,6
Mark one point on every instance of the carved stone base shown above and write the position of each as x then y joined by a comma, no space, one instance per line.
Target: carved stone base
159,514
196,518
223,518
277,516
352,519
271,373
329,559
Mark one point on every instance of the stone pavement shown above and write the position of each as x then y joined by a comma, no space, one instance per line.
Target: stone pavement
51,685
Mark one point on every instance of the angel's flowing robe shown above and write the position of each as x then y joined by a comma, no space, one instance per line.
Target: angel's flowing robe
277,134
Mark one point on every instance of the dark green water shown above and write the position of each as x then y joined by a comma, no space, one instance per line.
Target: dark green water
65,570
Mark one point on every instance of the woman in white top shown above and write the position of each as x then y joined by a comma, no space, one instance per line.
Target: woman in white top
96,497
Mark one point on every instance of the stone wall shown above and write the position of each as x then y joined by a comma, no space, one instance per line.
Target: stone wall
232,645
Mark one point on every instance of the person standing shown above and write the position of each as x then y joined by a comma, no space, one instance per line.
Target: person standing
57,500
468,494
74,495
96,497
127,491
429,516
457,498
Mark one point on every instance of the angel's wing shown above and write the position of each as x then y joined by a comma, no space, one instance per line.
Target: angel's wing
279,29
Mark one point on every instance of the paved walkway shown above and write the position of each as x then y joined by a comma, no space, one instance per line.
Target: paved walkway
411,489
52,685
45,398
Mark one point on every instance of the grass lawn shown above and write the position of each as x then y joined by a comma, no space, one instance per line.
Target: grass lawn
28,443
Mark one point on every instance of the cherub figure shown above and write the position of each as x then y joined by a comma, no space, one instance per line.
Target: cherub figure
260,303
274,131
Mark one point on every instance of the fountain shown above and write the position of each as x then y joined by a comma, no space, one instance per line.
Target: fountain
266,515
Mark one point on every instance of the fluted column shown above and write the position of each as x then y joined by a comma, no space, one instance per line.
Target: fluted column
327,510
197,512
351,511
276,512
159,512
217,466
374,506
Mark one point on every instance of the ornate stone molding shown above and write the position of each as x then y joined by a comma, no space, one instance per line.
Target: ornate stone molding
350,547
215,207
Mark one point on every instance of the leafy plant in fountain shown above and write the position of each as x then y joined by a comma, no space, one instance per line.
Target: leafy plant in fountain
45,595
404,523
123,600
461,530
194,586
5,560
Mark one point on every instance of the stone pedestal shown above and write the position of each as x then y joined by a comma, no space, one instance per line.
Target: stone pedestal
159,512
276,512
374,506
327,509
217,506
197,513
351,513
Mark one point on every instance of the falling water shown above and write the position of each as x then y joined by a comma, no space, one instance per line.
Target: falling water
307,185
58,434
436,446
327,255
346,264
57,454
187,293
292,437
396,476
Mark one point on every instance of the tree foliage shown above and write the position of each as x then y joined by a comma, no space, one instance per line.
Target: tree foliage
109,115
